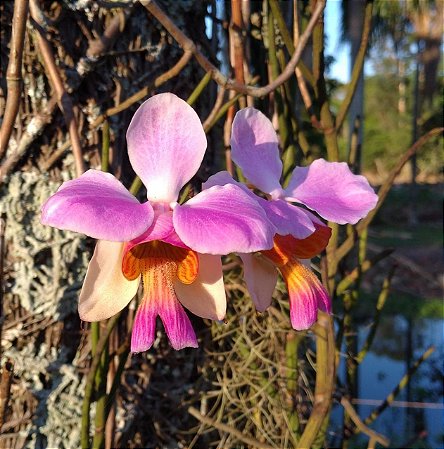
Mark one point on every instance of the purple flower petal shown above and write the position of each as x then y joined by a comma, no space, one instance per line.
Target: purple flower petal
161,229
261,276
332,190
222,220
166,145
98,205
254,147
287,218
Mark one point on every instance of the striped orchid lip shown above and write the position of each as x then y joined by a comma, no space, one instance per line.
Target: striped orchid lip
166,145
328,188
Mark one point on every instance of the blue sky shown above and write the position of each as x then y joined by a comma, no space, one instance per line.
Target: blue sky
341,68
332,19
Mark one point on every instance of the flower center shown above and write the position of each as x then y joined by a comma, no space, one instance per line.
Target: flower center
161,258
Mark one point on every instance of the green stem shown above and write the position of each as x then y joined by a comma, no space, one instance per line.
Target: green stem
361,269
291,355
90,380
382,298
222,111
105,147
325,380
402,383
288,41
357,68
199,89
123,357
136,185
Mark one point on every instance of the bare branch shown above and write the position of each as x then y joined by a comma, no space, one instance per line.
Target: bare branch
14,72
142,93
64,100
188,44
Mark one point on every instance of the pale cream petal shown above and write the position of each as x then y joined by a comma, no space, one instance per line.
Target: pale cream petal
105,290
205,297
260,275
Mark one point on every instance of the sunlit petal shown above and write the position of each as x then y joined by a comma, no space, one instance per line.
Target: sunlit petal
205,297
221,220
261,276
287,219
98,205
306,294
332,190
166,145
254,147
105,290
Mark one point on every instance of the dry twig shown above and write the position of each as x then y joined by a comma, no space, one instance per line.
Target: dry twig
187,44
14,72
376,437
64,100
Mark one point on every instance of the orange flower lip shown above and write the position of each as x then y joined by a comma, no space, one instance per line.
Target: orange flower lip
286,246
136,261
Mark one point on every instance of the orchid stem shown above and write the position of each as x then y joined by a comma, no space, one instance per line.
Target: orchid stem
105,146
136,185
199,89
90,380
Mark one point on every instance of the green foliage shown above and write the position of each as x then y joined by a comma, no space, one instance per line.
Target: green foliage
388,132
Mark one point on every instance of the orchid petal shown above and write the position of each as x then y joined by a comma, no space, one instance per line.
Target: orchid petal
166,145
332,190
288,246
161,229
205,297
105,290
254,147
175,321
260,276
306,294
222,178
98,205
221,220
287,218
160,299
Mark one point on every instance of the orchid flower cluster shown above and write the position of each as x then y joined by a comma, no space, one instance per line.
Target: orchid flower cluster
174,250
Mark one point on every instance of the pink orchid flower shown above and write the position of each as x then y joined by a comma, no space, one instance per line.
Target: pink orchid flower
328,188
174,249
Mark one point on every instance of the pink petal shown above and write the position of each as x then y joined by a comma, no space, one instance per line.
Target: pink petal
144,327
261,276
222,178
221,220
254,147
306,294
105,290
175,321
98,205
332,190
205,297
160,299
287,218
161,229
166,145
